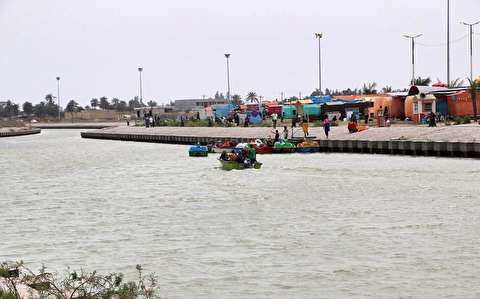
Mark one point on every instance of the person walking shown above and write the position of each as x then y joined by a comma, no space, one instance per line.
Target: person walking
277,136
326,126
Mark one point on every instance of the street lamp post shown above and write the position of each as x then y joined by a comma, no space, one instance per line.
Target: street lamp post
471,45
58,97
140,69
448,43
227,56
319,37
412,38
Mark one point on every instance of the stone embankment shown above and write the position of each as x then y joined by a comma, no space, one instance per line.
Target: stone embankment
77,125
453,141
11,132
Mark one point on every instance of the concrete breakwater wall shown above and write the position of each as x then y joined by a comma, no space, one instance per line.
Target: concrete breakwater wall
18,132
393,147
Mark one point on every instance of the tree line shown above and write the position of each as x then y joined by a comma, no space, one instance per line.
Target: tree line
49,108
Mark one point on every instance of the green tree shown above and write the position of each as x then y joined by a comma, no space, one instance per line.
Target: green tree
387,89
104,104
152,103
122,106
456,83
27,108
49,98
236,99
317,92
94,103
134,103
40,110
72,106
9,110
252,97
421,81
369,88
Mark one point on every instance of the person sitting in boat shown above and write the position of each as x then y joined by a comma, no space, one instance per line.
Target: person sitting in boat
241,156
252,154
224,156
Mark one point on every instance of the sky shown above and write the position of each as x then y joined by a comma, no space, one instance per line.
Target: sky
96,46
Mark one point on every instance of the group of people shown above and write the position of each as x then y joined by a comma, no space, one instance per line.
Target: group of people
246,155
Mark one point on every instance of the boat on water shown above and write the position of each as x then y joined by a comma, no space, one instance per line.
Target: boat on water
261,147
308,146
234,165
282,147
227,146
198,151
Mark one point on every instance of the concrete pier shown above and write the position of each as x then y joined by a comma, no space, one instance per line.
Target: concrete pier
11,132
451,141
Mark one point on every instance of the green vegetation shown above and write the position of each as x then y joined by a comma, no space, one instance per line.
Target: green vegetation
73,284
461,120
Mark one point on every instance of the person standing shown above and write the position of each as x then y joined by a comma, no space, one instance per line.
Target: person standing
274,120
277,136
285,133
326,126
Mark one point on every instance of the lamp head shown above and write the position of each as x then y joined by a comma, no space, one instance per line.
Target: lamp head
227,55
58,78
140,69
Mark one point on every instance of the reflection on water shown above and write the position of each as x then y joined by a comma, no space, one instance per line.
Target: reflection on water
322,225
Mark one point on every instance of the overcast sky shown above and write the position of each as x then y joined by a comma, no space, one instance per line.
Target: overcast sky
96,46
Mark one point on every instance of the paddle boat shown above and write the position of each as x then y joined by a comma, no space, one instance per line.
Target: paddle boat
308,146
261,148
282,146
198,151
234,165
227,146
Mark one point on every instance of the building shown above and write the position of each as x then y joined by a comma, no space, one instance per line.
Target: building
196,104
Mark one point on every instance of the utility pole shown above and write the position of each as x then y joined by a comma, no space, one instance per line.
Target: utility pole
412,38
448,43
140,69
58,97
471,45
319,37
227,56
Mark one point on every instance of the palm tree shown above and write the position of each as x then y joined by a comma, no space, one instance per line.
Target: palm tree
456,83
252,97
49,98
387,89
370,88
421,81
474,86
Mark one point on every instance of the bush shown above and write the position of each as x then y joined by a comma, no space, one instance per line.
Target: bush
73,284
462,120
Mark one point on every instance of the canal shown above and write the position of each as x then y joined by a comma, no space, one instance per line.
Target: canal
321,225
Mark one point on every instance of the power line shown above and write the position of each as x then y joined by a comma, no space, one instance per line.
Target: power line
444,44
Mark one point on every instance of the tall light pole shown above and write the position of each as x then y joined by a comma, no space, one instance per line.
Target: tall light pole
319,37
471,45
448,43
227,56
140,69
58,96
412,38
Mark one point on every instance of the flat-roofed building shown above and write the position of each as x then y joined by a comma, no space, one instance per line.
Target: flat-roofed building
195,104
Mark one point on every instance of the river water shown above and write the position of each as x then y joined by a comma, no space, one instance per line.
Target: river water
310,226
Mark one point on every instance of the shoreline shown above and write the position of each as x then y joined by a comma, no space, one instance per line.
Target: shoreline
446,141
